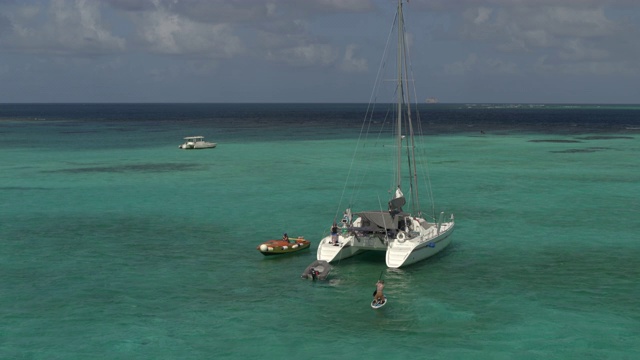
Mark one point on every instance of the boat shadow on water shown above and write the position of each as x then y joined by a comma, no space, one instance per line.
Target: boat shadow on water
291,256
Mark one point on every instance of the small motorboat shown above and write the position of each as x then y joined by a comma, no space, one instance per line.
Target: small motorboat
279,247
196,142
317,270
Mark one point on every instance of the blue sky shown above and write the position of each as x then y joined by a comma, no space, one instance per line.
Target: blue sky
473,51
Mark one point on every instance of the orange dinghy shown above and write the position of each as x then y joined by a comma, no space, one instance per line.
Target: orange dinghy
279,247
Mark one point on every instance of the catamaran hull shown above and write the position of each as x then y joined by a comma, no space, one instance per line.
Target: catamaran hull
329,252
412,251
398,253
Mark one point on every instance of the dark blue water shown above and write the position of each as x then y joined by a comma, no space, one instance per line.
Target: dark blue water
438,118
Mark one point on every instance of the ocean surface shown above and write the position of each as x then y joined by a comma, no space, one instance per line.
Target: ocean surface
115,244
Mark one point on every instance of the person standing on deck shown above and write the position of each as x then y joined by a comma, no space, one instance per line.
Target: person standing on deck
334,234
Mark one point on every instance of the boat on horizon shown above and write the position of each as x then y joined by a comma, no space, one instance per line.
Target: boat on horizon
195,143
406,235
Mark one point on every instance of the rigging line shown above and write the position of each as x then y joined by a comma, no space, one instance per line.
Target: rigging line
391,114
386,235
408,71
425,171
400,100
361,177
368,113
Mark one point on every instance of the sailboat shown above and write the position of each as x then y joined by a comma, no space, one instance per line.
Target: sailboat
399,227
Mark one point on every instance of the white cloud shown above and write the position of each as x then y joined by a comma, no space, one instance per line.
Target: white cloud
581,33
483,15
476,64
342,5
181,42
351,63
546,64
577,50
64,28
209,29
499,66
169,33
462,67
77,25
305,55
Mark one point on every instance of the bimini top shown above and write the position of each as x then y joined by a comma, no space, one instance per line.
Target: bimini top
380,220
194,138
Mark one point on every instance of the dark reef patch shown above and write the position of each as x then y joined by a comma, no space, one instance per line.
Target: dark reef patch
555,141
576,151
144,168
605,137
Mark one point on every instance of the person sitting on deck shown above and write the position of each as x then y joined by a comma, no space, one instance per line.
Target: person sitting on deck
285,237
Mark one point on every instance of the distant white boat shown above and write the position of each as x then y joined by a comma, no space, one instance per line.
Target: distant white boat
196,142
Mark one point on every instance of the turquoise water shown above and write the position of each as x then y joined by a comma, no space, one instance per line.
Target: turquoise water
117,245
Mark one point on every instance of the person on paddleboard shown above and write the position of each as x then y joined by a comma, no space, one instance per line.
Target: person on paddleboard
379,296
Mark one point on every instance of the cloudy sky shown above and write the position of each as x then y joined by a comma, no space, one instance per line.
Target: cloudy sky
519,51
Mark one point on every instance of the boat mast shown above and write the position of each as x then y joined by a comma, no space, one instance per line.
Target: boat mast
404,109
400,94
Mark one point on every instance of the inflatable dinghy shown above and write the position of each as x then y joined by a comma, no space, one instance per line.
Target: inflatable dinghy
318,269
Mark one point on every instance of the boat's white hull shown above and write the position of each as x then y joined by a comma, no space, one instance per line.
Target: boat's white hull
348,246
415,250
421,245
197,146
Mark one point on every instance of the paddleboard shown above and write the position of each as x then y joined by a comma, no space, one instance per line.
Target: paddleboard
375,305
